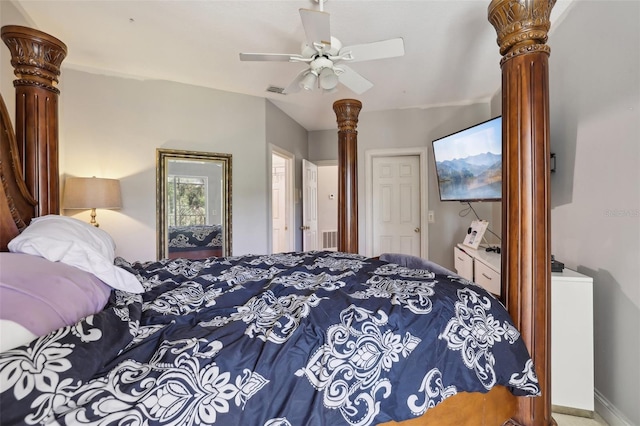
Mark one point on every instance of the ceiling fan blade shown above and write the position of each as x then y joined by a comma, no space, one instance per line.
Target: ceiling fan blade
317,26
377,50
354,81
284,57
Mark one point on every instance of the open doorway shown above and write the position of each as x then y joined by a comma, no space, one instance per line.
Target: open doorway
282,235
327,205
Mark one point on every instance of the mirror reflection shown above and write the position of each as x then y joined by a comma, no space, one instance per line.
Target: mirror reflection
193,204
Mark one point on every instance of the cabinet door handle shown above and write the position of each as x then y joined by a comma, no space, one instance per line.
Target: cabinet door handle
460,259
486,276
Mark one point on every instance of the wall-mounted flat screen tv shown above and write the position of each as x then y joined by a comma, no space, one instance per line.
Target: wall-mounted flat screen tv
469,163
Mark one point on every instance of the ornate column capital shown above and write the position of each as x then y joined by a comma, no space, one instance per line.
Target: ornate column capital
522,25
347,111
35,56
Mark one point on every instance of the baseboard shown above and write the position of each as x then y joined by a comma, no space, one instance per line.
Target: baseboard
609,412
571,411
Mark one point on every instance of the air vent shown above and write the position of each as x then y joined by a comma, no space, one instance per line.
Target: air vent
276,89
329,240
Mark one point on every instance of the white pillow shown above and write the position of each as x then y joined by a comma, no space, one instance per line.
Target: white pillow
76,243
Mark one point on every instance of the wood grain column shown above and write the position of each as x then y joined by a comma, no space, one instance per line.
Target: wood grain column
522,28
36,58
347,111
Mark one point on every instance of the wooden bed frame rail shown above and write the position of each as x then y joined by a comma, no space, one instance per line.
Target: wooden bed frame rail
29,175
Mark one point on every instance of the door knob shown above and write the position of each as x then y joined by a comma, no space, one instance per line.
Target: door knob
417,230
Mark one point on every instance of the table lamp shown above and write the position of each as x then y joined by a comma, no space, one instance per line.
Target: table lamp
92,193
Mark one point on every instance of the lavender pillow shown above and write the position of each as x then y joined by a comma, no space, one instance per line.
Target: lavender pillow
43,296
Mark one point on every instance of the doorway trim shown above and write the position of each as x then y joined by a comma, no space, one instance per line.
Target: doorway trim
370,154
290,161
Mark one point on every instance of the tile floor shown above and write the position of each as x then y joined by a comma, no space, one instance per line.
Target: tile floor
565,420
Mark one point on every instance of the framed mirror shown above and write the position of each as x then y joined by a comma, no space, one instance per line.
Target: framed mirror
193,204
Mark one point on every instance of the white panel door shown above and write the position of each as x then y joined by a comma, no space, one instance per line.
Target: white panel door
396,205
279,210
310,206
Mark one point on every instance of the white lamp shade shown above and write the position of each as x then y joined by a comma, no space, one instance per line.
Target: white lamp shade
309,81
92,193
328,79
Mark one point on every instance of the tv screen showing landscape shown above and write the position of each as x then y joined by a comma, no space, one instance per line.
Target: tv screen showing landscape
469,163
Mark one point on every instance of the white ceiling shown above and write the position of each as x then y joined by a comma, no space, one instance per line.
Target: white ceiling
451,52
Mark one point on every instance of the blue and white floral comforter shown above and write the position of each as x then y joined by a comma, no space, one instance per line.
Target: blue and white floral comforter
317,338
182,238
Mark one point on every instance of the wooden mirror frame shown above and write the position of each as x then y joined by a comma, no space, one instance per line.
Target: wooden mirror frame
163,156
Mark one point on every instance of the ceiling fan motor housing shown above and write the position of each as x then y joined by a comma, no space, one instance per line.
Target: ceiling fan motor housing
320,63
321,49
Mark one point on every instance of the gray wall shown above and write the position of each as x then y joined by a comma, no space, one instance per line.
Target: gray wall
411,128
595,193
111,127
285,133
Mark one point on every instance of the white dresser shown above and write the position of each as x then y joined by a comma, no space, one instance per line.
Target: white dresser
571,327
479,266
572,343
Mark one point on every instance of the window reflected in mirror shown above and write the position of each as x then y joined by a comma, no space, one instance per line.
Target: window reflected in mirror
187,201
193,204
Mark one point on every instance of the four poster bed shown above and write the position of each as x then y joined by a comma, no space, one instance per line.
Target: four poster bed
344,337
195,241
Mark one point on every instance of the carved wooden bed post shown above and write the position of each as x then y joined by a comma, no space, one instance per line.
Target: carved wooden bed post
347,111
36,58
522,28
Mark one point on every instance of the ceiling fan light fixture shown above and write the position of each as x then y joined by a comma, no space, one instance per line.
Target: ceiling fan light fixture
309,81
328,79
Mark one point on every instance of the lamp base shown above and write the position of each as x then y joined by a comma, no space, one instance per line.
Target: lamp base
93,219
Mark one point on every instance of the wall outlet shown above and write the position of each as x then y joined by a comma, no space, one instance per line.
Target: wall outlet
431,216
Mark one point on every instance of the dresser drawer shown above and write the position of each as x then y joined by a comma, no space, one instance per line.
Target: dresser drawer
487,277
463,264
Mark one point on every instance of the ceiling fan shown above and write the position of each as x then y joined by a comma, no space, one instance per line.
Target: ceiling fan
326,56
